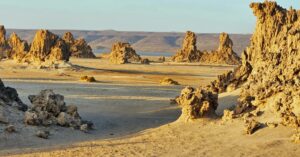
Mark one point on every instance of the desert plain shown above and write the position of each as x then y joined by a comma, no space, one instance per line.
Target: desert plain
133,115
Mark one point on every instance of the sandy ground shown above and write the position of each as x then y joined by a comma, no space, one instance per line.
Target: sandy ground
133,115
206,137
104,72
116,110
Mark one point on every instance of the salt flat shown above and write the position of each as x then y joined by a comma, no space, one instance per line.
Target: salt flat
125,100
132,114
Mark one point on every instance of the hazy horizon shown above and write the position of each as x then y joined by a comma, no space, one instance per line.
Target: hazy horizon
212,16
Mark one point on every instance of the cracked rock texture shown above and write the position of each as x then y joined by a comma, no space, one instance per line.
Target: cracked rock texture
4,48
47,47
9,96
78,47
123,53
223,55
18,48
188,52
197,103
49,108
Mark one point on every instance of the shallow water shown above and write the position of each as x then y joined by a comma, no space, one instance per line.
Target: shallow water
116,110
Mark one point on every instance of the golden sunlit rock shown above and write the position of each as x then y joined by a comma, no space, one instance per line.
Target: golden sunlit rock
123,53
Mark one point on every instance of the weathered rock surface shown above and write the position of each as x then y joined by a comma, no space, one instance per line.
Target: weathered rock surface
49,108
123,53
269,74
168,81
274,59
88,79
227,115
296,137
223,55
42,134
145,61
18,48
197,103
231,80
251,126
10,129
4,48
68,38
162,59
188,52
47,47
9,96
270,71
79,47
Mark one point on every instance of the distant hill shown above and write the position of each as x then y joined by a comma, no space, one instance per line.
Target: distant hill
143,41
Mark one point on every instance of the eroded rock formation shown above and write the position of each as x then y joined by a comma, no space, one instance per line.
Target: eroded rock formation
231,80
49,108
79,47
47,47
188,52
122,53
88,79
197,103
9,96
270,66
145,61
274,57
251,126
18,48
168,81
3,43
269,75
223,55
68,38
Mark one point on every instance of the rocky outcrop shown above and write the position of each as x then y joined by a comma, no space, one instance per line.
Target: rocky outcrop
168,81
18,48
197,103
188,52
79,47
88,79
9,96
296,137
68,38
227,115
4,48
269,75
47,47
49,108
273,55
162,59
122,53
2,36
223,55
231,80
252,126
145,61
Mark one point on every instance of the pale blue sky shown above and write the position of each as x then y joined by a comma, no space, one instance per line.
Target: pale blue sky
203,16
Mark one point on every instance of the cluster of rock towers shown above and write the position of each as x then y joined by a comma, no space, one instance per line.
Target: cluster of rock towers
223,55
46,46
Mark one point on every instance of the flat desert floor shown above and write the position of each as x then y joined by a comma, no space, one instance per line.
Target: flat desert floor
133,115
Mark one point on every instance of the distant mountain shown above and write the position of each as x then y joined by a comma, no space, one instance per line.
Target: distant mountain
143,41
